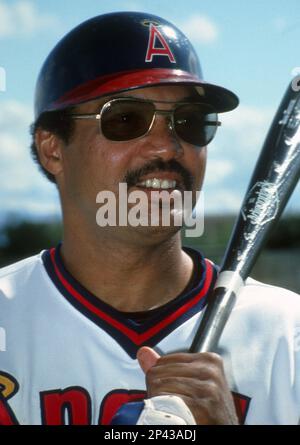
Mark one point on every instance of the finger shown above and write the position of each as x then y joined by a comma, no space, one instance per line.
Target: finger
147,358
199,371
183,357
185,386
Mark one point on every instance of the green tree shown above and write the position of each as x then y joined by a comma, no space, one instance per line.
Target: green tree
25,238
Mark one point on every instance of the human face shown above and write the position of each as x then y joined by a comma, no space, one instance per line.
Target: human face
92,163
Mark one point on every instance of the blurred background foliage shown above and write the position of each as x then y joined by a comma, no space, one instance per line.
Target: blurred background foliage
22,238
278,264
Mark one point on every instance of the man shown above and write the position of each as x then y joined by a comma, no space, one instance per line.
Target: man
97,329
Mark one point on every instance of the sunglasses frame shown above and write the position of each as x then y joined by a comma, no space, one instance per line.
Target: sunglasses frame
170,113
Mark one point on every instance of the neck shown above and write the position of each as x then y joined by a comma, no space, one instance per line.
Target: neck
128,276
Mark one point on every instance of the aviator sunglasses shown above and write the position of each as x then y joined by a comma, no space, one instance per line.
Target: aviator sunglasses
126,118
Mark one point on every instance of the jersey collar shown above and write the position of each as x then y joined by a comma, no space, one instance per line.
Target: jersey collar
129,334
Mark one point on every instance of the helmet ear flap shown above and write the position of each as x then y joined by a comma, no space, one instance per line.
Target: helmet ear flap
118,52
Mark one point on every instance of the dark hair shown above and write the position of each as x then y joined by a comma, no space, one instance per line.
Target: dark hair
58,122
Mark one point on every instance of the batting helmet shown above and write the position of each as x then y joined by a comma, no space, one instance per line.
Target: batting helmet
118,52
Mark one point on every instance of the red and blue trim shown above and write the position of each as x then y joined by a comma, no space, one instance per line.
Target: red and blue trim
127,332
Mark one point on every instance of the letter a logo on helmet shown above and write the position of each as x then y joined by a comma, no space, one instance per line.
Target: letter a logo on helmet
152,50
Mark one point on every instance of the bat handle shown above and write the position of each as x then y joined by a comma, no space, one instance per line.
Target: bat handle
214,320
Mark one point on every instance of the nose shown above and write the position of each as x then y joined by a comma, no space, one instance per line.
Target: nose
162,141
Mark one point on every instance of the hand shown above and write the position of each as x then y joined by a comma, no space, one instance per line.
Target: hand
198,379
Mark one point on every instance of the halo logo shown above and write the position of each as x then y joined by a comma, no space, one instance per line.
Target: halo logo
2,79
162,50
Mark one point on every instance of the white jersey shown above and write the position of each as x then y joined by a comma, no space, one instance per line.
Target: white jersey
68,358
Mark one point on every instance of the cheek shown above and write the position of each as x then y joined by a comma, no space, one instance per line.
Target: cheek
93,164
203,160
197,162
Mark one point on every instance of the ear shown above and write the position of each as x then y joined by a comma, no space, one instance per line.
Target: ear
49,148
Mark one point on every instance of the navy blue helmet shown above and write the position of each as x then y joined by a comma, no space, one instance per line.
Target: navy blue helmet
118,52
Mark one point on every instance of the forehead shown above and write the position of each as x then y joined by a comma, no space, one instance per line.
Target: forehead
172,93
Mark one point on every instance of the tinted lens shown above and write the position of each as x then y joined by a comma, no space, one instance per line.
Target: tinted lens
122,120
195,123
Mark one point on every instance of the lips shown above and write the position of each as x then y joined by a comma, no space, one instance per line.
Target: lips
158,169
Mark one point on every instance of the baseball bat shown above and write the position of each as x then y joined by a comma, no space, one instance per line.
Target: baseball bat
275,176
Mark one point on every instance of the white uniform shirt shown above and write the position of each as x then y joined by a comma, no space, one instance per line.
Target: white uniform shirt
67,357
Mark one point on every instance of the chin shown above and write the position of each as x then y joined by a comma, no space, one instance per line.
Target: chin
155,234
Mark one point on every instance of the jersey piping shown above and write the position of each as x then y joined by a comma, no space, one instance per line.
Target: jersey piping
129,334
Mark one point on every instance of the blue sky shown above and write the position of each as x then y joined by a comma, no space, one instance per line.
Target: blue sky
249,47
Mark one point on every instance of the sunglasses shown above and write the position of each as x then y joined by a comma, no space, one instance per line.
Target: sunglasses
124,119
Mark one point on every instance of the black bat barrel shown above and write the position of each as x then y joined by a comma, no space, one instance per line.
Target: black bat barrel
275,176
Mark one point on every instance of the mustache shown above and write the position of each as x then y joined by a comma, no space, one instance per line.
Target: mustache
133,177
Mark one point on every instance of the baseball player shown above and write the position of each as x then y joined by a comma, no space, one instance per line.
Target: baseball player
97,328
